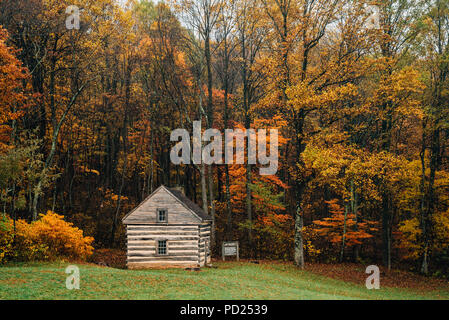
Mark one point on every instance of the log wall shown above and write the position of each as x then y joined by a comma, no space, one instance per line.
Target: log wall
185,245
204,244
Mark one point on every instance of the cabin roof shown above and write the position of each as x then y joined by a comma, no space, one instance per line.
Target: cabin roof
180,197
190,204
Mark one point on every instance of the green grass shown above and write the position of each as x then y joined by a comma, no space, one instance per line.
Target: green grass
228,281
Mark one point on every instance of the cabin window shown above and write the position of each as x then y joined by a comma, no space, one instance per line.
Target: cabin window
162,215
162,247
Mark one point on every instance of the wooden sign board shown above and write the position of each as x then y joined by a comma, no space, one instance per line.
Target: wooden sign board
230,248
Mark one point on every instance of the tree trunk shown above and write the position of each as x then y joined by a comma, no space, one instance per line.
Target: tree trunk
299,245
430,199
125,153
354,210
49,161
386,240
228,206
204,188
212,204
249,209
343,240
227,179
300,186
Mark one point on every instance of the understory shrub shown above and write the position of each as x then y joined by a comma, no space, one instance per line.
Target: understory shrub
48,238
6,238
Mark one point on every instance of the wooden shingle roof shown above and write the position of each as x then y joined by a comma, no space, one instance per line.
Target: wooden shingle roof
189,204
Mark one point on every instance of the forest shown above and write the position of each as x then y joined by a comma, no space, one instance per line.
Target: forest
357,89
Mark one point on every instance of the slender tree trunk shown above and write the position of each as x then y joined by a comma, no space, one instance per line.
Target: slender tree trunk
227,179
204,188
228,206
300,186
299,224
246,105
386,252
430,199
249,211
424,264
125,152
343,240
212,204
151,184
202,165
117,210
210,122
49,161
354,210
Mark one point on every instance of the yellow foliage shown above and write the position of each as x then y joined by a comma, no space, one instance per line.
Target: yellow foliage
48,238
61,237
309,237
411,235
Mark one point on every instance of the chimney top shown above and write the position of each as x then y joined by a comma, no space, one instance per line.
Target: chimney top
180,189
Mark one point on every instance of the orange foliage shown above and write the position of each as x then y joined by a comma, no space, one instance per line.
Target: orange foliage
12,96
333,227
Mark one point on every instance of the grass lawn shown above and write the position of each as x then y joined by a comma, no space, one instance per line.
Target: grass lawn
231,280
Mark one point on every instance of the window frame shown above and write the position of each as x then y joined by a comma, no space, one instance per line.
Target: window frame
158,211
157,247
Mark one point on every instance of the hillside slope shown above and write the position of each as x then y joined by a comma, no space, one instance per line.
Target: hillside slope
228,281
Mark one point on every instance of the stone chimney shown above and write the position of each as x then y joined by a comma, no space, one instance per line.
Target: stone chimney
180,189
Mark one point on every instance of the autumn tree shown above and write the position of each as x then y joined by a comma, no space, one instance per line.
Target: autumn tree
322,78
251,36
435,49
13,91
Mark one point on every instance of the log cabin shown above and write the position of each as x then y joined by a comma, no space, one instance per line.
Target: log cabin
167,230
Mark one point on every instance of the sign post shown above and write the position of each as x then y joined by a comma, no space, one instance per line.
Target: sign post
230,248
